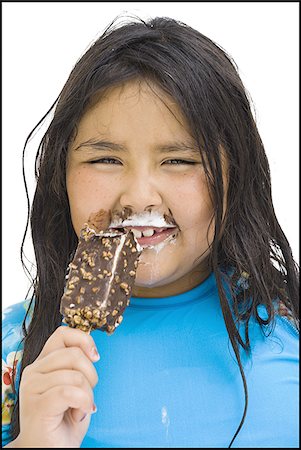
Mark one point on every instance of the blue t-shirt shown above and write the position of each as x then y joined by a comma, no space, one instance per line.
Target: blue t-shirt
168,377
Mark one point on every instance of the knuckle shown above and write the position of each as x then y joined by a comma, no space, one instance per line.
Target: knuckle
61,330
78,378
75,352
64,392
76,394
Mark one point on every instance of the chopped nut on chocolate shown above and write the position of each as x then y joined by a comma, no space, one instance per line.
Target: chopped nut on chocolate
101,277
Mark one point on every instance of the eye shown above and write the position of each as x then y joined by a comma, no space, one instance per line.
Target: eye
176,162
105,161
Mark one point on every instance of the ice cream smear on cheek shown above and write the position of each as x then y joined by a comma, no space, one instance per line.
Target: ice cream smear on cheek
152,230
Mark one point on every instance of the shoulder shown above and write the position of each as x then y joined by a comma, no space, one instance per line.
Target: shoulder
12,349
273,333
277,340
284,320
286,314
272,373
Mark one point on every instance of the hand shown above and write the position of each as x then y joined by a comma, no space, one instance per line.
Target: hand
56,391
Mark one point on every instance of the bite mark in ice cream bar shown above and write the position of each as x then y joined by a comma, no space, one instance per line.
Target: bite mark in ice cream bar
101,276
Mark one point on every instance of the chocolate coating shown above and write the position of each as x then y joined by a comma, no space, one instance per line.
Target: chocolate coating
101,277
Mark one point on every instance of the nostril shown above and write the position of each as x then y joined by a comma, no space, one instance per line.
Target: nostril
149,208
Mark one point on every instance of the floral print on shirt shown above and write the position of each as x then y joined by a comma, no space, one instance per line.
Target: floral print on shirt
12,350
9,368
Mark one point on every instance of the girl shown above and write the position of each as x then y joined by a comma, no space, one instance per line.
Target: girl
154,120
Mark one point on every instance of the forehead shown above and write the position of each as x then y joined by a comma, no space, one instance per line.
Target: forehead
133,90
136,106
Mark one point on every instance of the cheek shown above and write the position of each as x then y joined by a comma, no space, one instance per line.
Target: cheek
192,202
86,193
197,225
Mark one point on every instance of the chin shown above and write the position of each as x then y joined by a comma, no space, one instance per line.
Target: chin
152,279
147,283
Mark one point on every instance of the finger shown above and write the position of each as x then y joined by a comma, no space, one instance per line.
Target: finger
59,399
71,358
42,382
79,416
70,337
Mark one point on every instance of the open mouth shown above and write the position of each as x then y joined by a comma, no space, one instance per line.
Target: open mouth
150,236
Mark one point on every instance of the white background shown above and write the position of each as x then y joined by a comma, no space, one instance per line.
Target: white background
42,42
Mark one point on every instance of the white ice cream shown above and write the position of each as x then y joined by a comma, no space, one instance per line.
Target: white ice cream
146,219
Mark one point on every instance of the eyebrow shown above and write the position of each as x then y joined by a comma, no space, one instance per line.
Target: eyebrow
168,148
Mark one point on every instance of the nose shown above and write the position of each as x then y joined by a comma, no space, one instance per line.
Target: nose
141,194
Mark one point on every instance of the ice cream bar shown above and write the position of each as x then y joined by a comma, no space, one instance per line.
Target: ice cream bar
101,276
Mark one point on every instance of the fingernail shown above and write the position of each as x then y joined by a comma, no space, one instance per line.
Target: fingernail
94,354
84,416
94,408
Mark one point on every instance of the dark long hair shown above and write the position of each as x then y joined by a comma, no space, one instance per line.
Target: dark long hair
204,81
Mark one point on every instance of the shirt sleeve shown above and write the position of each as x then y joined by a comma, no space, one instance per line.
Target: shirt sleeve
12,350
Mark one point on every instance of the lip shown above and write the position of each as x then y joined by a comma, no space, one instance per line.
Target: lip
160,235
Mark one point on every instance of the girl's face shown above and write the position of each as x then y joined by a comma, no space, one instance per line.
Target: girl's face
133,150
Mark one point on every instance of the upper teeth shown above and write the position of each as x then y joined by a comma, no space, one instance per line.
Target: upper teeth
147,233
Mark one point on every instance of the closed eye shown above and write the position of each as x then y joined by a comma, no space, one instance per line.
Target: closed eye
179,161
113,161
105,161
